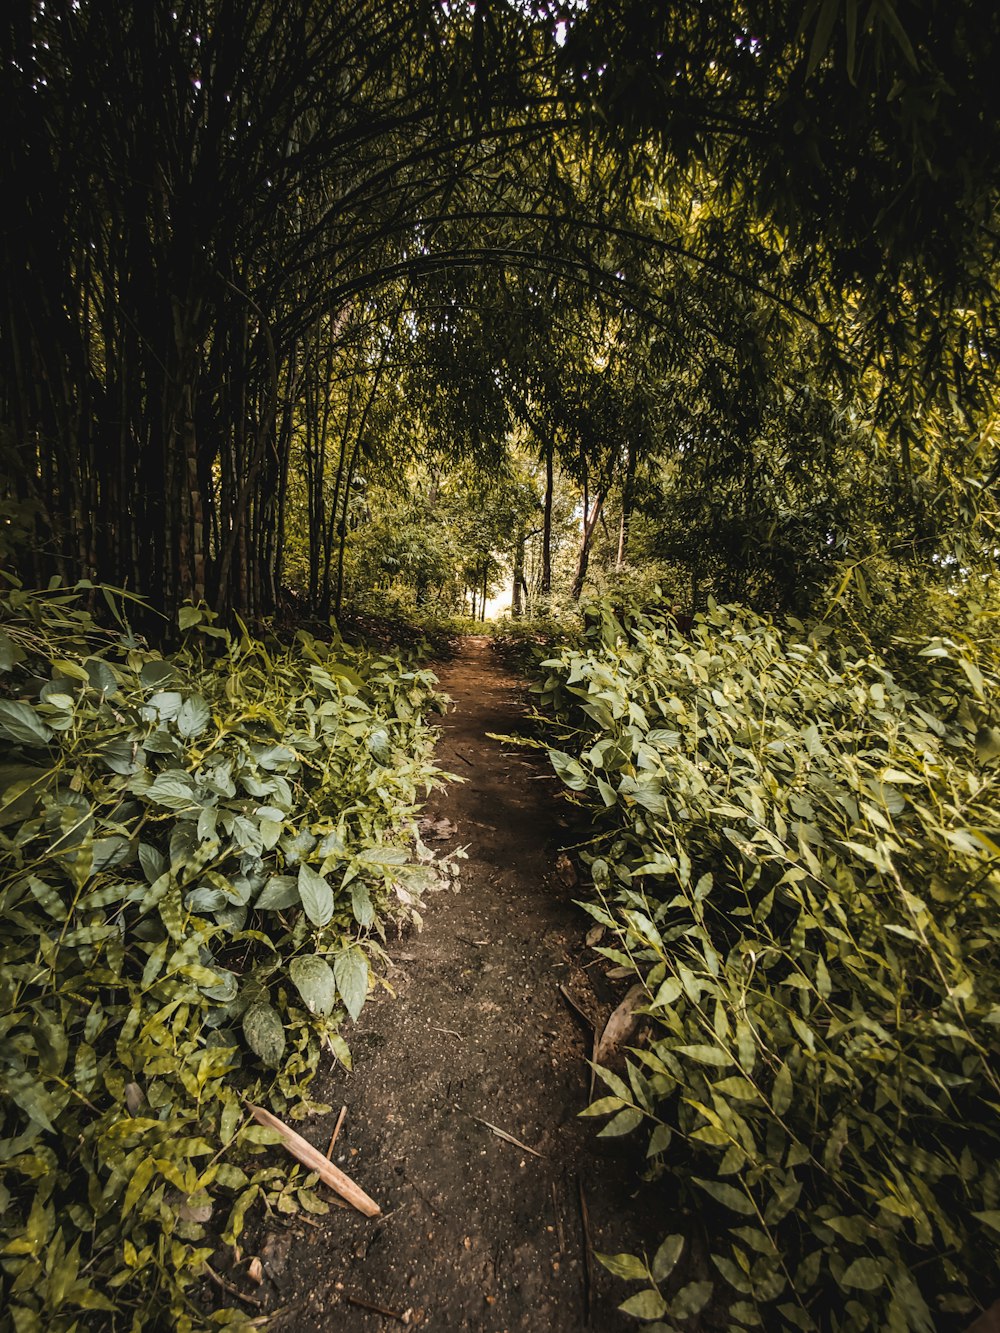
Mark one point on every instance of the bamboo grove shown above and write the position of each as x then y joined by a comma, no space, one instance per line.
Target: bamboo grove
237,230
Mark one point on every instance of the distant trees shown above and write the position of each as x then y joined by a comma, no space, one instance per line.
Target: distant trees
237,233
203,193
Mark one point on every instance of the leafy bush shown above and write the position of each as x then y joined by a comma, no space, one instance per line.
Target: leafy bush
525,642
198,855
799,858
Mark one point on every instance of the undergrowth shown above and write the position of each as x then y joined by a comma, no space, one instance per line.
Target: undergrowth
199,854
798,859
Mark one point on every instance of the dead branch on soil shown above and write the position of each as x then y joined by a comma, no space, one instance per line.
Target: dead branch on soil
588,1254
507,1138
336,1132
313,1160
591,1030
560,1233
229,1288
404,1317
578,1009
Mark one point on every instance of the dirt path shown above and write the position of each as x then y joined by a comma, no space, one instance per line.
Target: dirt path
476,1233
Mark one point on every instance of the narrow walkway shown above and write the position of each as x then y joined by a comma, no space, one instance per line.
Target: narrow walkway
477,1233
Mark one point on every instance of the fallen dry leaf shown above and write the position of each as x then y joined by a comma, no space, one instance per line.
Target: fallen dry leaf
620,1026
197,1208
566,871
439,829
135,1098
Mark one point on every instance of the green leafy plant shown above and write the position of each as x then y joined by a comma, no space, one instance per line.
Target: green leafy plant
199,855
798,857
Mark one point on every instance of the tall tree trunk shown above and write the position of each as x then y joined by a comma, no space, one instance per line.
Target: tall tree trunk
589,525
516,604
547,520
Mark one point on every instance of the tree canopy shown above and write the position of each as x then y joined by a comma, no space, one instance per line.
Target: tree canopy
235,231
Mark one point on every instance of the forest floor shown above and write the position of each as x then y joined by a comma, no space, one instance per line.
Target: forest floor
476,1233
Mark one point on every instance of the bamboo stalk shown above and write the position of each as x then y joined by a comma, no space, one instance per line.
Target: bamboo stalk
314,1160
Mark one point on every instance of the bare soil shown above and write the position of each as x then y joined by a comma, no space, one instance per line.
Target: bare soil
476,1233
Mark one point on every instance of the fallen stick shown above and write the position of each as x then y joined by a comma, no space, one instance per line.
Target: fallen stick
588,1260
228,1287
507,1138
559,1222
378,1309
578,1009
314,1160
336,1131
591,1028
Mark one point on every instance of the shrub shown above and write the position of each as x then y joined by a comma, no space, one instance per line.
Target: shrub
198,856
799,859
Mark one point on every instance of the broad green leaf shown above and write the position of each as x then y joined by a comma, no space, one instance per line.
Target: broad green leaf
864,1274
174,790
101,676
156,673
345,673
315,895
727,1195
350,970
314,980
382,856
737,1087
265,1033
648,1304
30,1095
569,770
659,1140
781,1093
280,892
666,1257
627,1266
603,1106
705,1055
361,904
205,899
138,1184
247,836
73,670
669,991
164,705
623,1123
691,1300
154,863
340,1049
21,724
378,746
193,716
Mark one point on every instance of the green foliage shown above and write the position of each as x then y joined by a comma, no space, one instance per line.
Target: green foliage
798,857
198,857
